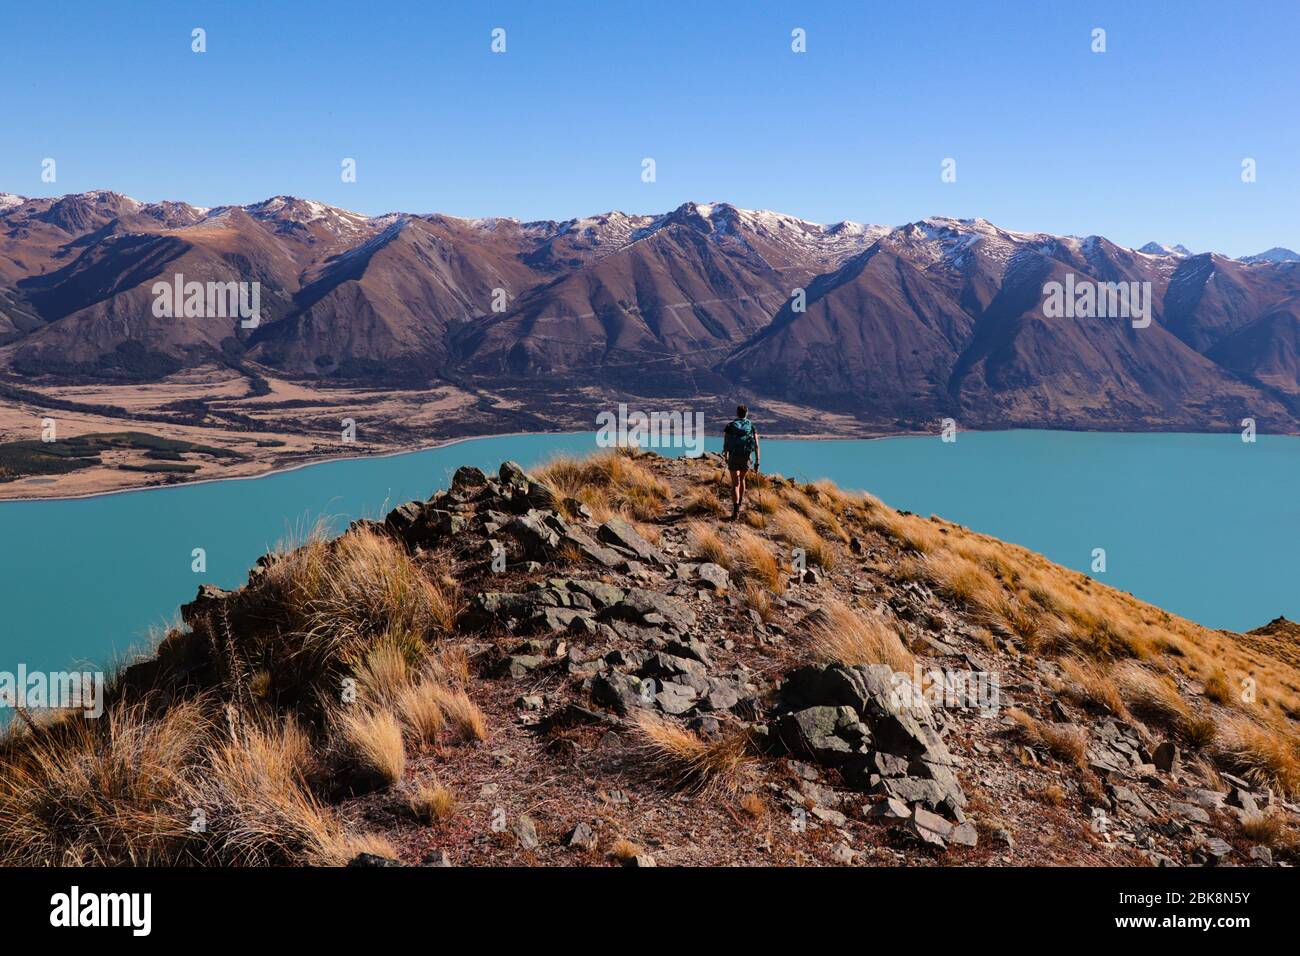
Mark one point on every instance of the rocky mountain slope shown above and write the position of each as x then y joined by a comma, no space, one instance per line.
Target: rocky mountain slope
589,666
935,318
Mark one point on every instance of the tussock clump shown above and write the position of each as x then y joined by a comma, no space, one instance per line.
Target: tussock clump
464,718
432,802
686,761
1093,686
706,544
1266,756
757,598
113,790
335,601
706,503
624,850
609,483
369,745
259,809
755,562
1217,689
1066,742
843,635
798,532
420,706
1152,697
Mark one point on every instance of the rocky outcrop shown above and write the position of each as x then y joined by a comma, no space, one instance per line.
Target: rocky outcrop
874,726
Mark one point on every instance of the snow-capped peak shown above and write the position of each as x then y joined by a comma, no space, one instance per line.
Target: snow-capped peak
1177,250
1276,254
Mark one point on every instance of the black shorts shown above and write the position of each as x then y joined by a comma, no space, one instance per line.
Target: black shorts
738,462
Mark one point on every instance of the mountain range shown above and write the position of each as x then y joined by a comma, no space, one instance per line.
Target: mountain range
894,326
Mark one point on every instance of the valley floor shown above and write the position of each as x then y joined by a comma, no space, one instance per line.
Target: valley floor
295,424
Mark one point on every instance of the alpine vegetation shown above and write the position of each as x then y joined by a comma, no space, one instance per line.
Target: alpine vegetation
585,664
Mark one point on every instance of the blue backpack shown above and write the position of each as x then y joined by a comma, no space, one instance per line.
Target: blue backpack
738,439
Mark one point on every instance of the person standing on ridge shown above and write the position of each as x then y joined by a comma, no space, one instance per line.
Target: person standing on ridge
739,444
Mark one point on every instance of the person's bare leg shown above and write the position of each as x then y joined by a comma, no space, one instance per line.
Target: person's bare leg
743,488
737,481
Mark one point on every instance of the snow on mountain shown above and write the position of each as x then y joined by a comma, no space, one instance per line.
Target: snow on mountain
1177,250
1276,254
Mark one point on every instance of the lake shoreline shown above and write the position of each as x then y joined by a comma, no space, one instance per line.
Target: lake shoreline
444,443
449,442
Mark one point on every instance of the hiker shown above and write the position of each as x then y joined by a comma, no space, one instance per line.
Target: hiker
739,444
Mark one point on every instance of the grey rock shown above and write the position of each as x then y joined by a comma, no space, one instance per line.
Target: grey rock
468,480
618,532
1129,799
1262,855
964,834
1190,811
889,808
623,692
653,609
675,698
582,837
511,475
1165,756
1209,799
714,576
1218,849
827,734
932,829
539,539
1243,799
526,832
519,666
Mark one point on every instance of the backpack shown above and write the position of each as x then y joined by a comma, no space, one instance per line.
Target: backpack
738,439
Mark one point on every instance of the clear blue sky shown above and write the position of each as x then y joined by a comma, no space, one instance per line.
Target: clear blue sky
1142,142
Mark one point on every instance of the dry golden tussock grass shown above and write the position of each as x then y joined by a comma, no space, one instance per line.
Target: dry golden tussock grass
369,743
1066,742
624,850
464,718
757,598
686,761
116,788
420,705
123,790
707,503
610,483
1264,755
1153,698
798,532
754,561
1092,685
844,635
334,601
262,810
431,802
706,544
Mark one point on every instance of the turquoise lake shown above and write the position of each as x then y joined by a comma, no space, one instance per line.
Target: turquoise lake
1204,525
